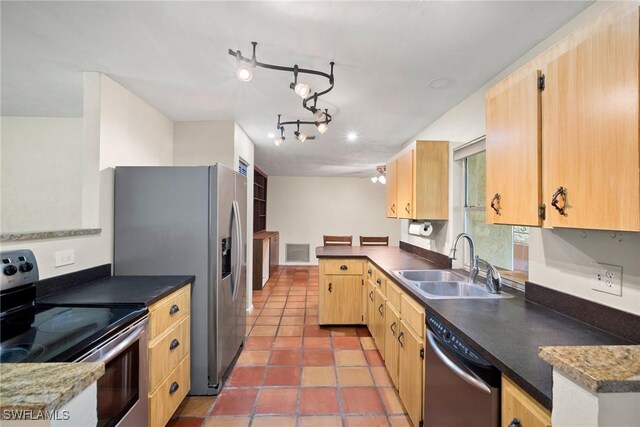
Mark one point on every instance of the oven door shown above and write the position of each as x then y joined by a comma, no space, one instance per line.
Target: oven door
123,389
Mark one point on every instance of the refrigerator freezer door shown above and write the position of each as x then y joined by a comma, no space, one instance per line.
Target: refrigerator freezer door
221,323
241,299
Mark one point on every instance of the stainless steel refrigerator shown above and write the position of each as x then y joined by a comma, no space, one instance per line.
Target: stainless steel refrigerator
184,221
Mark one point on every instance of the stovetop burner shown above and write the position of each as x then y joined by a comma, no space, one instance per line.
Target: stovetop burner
74,321
20,353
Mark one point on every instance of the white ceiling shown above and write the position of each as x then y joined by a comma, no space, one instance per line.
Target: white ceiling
174,55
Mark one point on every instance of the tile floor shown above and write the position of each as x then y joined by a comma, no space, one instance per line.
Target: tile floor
292,372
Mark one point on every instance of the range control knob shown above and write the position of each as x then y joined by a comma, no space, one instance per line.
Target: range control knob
447,336
10,270
26,267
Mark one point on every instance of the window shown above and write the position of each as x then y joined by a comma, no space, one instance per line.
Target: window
506,247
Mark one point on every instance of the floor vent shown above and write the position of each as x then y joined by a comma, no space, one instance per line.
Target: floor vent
297,252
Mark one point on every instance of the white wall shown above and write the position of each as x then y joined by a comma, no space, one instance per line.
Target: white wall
302,209
41,173
561,259
123,141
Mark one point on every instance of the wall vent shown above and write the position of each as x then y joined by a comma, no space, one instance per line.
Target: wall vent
296,252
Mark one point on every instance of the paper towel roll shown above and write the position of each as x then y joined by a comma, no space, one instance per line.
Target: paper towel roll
426,229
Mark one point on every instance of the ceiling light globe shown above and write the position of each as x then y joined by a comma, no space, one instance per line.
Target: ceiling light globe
374,179
322,127
382,179
302,90
244,73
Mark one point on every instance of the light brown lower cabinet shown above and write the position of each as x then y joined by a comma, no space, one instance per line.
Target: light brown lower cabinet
340,294
411,372
521,410
379,320
169,355
391,343
370,307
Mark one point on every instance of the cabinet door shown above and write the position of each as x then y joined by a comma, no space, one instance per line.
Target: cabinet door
392,189
411,372
590,127
431,180
518,405
513,149
340,300
371,317
378,327
274,253
391,344
404,174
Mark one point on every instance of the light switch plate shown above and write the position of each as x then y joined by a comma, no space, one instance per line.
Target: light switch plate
607,278
65,257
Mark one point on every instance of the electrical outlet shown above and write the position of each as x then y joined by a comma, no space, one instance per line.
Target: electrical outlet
608,279
65,257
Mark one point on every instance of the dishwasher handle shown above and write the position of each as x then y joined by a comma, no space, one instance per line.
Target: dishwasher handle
454,367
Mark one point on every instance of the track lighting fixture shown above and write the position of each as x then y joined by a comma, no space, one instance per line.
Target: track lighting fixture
280,140
309,98
374,179
381,177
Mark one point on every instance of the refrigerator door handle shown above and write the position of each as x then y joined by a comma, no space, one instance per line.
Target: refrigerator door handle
239,244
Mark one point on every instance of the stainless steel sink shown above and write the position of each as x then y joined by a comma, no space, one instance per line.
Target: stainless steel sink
445,284
429,276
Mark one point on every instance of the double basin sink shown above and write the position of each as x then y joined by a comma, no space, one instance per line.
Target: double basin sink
444,284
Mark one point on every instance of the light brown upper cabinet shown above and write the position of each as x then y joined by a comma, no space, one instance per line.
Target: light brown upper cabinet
591,154
585,121
514,150
422,182
392,189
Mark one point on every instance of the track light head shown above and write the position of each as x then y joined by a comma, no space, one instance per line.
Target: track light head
382,179
322,127
302,90
279,141
300,136
374,179
244,73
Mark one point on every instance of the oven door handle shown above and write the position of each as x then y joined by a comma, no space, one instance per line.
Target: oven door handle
454,367
121,341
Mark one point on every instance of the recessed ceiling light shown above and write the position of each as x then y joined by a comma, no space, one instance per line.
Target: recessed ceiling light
271,135
442,83
352,136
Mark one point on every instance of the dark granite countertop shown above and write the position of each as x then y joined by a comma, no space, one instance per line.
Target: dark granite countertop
507,332
141,290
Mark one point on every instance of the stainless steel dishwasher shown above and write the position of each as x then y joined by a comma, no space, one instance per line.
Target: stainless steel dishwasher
461,387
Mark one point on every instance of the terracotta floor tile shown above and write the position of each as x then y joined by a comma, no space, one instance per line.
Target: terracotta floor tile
283,343
343,331
350,358
319,401
195,406
317,343
292,320
246,377
318,376
400,421
311,320
258,343
227,421
258,304
354,377
278,298
317,358
273,421
253,358
295,304
315,331
277,401
290,331
320,421
235,402
380,376
368,343
391,400
247,330
313,312
374,358
271,312
274,304
297,298
366,421
286,357
264,331
267,321
312,298
185,422
298,292
293,312
282,376
346,343
361,400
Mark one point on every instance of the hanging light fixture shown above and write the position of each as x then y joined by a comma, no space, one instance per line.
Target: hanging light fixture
381,177
280,140
374,179
321,119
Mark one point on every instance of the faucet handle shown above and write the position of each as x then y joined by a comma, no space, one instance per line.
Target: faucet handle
494,280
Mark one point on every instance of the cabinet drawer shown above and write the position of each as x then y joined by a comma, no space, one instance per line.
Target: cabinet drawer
169,311
167,352
380,280
343,266
168,396
394,295
413,314
370,273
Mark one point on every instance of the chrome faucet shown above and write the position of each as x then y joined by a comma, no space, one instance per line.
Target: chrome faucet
494,281
474,270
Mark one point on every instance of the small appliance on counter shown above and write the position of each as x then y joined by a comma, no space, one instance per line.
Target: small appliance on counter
117,336
190,220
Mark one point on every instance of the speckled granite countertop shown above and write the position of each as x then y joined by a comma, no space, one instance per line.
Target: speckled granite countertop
601,369
44,386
